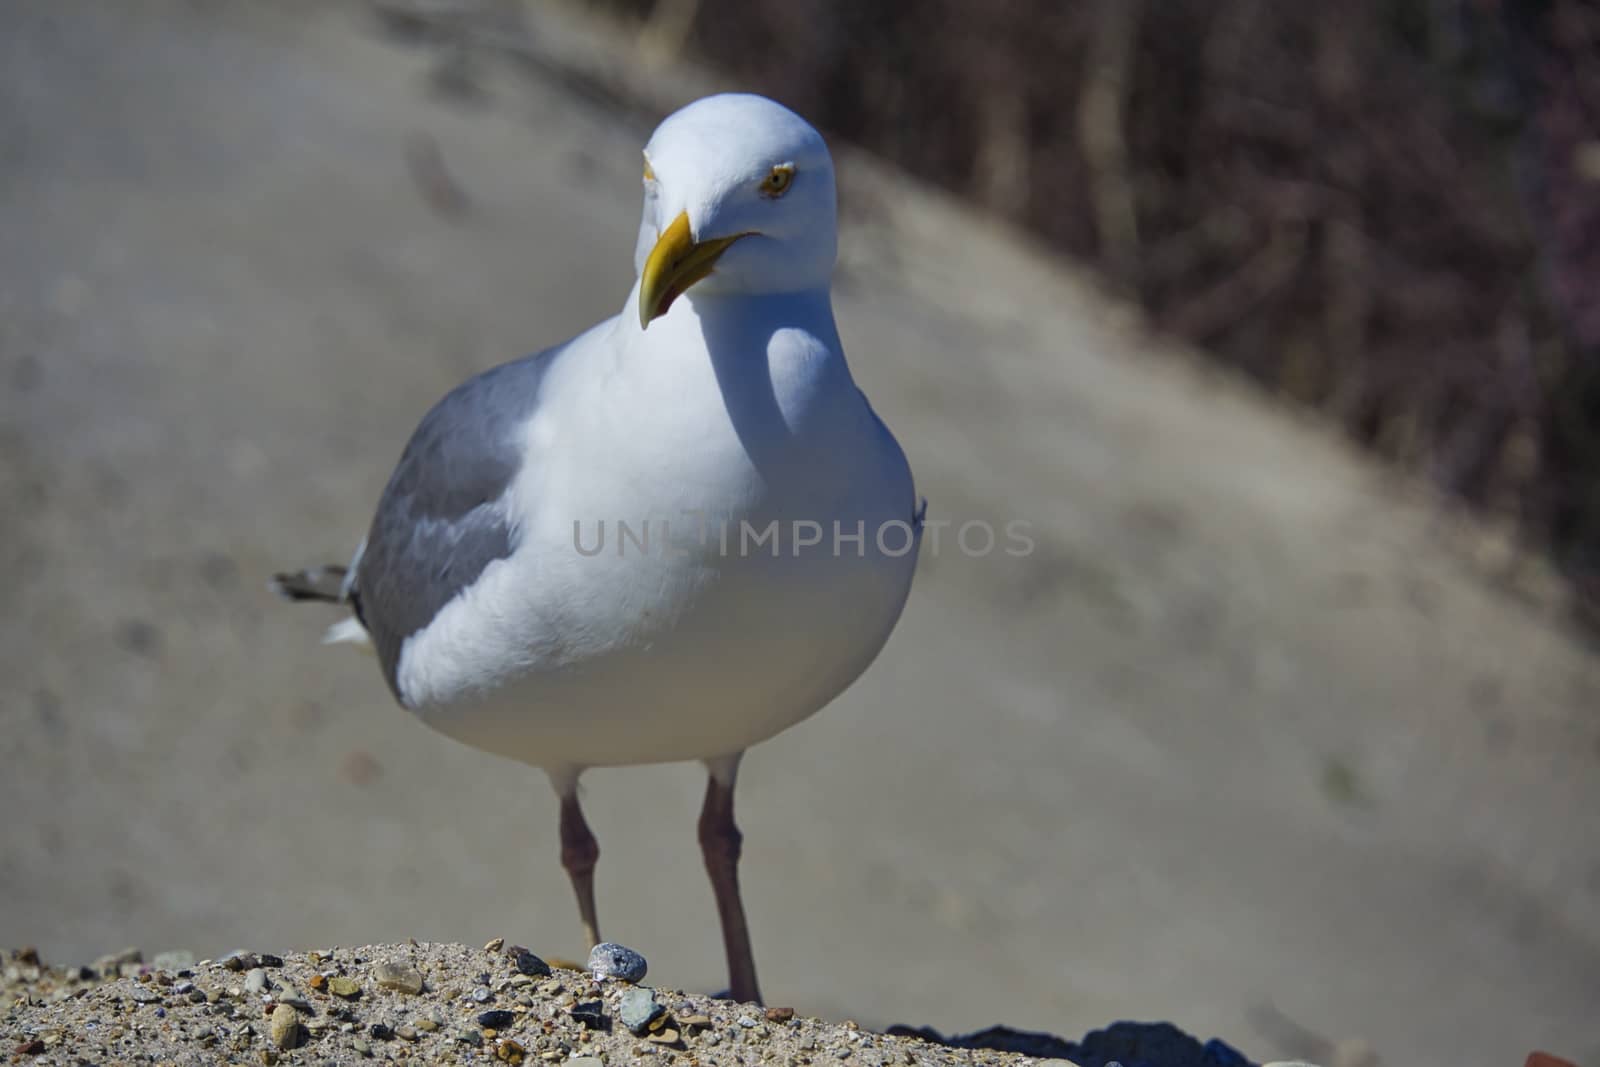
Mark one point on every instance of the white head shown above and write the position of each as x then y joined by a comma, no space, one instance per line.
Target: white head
738,197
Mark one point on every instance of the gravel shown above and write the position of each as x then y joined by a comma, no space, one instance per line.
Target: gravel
407,1006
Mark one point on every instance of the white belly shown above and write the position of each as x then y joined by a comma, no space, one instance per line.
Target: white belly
588,648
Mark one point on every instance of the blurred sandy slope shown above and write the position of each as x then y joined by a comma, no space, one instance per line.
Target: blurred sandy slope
1242,743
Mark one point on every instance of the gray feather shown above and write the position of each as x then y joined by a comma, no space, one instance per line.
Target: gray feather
442,517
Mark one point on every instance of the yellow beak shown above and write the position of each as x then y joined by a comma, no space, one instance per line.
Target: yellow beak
675,264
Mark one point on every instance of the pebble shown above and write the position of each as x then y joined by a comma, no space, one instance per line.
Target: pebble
145,995
509,1051
427,1026
348,988
381,1032
529,964
608,960
284,1026
483,994
405,1033
779,1015
494,944
401,977
639,1008
496,1019
255,981
591,1014
470,1037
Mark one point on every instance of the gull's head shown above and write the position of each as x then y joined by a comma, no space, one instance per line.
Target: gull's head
738,197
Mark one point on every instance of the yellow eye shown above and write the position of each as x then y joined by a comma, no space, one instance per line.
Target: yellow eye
649,172
777,183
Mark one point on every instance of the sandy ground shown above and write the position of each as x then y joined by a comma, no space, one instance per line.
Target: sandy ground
1245,742
445,1004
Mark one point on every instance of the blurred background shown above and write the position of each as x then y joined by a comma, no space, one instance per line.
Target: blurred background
1279,324
1387,211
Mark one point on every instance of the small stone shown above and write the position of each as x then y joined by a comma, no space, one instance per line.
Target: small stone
284,1027
638,1008
496,1019
591,1014
255,981
398,976
664,1036
482,994
348,988
267,959
145,995
318,983
510,1051
529,964
494,944
29,1048
608,960
241,961
427,1026
470,1037
779,1015
380,1032
405,1033
198,997
361,1048
747,1021
702,1022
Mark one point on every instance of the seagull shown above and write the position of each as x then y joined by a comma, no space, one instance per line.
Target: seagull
669,538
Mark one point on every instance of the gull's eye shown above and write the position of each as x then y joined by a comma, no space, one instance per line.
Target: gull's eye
778,181
649,172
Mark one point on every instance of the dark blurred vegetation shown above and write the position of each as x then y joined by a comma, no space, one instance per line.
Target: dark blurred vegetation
1388,210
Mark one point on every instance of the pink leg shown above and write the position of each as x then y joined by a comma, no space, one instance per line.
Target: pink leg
579,853
720,843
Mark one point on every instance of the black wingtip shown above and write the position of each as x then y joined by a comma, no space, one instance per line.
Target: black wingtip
322,584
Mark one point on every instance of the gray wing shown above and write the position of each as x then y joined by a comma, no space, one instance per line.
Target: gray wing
442,518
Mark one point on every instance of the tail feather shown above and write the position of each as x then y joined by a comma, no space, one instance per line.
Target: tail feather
348,632
325,584
329,584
